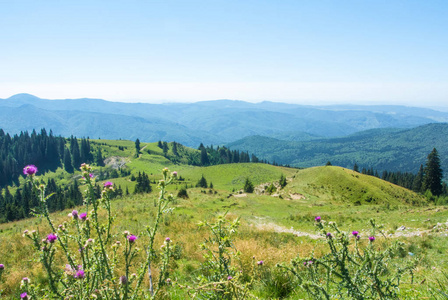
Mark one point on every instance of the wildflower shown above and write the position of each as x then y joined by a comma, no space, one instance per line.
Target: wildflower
371,238
174,174
132,238
167,239
74,214
229,277
123,280
317,219
165,171
89,242
355,233
51,238
2,267
329,235
83,216
30,170
79,274
260,263
25,280
91,175
108,184
24,295
168,280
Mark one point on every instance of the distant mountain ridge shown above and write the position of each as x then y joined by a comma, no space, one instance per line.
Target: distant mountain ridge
209,122
381,149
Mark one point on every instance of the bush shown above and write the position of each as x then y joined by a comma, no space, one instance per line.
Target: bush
182,193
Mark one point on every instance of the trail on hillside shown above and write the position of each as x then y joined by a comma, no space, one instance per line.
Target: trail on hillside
438,229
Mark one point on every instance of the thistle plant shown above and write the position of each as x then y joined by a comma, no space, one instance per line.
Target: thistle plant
98,263
219,278
349,270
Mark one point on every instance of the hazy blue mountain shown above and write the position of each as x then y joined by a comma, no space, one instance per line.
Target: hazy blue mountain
209,122
383,149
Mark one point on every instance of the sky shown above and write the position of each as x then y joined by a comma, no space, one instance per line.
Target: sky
306,52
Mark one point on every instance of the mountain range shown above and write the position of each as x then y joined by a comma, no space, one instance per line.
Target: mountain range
209,122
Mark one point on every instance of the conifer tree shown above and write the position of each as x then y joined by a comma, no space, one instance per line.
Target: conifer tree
137,147
418,181
248,186
433,174
99,158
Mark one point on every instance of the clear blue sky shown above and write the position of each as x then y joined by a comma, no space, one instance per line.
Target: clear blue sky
310,52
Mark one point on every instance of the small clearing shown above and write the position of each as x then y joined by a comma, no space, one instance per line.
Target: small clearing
115,162
297,196
240,195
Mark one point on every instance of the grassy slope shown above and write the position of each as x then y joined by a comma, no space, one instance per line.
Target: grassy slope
330,192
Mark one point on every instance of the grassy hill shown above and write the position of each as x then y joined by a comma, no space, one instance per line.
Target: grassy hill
275,228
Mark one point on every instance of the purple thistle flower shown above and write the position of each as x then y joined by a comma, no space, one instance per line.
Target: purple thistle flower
24,295
2,267
260,263
329,235
30,170
123,280
83,216
79,274
25,280
355,233
91,175
132,238
317,219
371,238
108,184
51,238
174,174
74,213
167,240
229,277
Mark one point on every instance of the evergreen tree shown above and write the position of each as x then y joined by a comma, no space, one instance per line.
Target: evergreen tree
165,148
202,182
99,158
418,181
137,147
248,186
68,161
433,174
204,157
282,181
356,168
175,149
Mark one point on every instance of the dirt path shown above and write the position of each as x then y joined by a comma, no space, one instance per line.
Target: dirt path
439,229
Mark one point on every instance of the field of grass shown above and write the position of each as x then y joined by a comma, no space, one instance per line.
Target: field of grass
270,224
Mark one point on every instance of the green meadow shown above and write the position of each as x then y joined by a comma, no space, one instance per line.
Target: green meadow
274,228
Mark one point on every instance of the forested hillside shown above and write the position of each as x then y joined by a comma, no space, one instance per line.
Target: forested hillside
385,149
